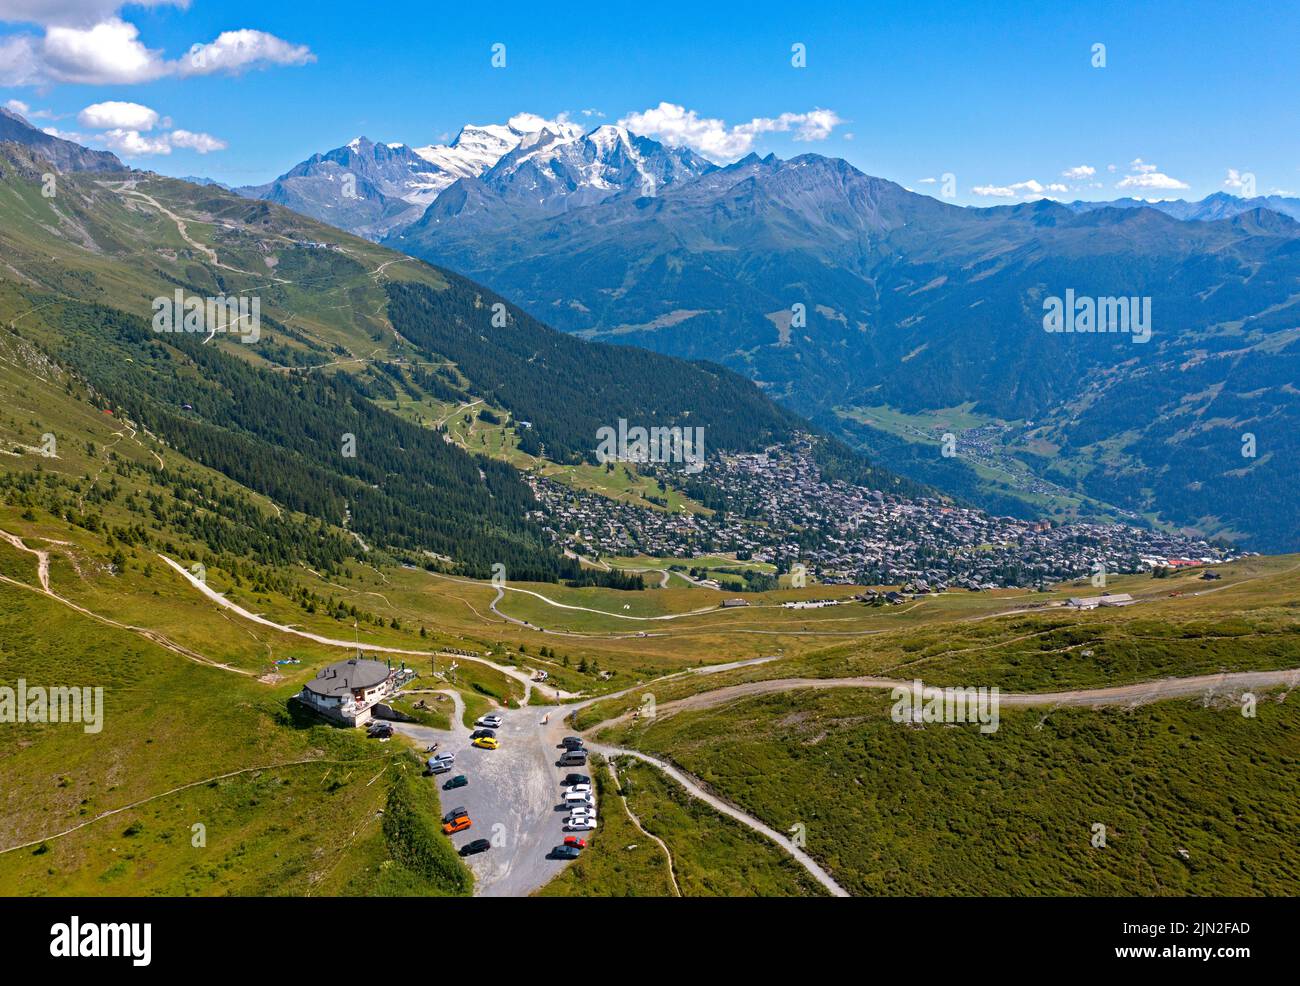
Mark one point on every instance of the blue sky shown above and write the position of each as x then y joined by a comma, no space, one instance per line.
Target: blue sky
1002,96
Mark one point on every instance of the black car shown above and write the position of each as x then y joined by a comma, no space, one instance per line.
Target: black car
475,847
566,852
482,732
454,814
572,779
572,742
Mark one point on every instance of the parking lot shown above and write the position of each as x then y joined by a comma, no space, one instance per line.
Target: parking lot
513,797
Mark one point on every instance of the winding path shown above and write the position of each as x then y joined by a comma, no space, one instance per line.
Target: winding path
207,590
1131,695
694,788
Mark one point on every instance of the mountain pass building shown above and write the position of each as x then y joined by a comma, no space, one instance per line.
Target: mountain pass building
346,692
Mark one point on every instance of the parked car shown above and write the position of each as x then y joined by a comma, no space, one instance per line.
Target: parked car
454,814
437,766
486,743
575,841
565,852
482,732
447,758
571,779
578,789
379,730
573,758
581,811
583,798
460,780
579,824
492,721
475,847
457,825
572,742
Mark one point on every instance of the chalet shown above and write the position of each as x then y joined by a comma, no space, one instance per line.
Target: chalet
347,692
733,603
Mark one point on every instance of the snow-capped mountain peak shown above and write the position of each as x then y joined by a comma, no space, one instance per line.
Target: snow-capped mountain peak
551,165
478,147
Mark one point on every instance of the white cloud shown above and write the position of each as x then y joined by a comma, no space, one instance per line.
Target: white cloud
65,135
20,65
87,43
929,181
1079,173
1243,182
131,143
74,13
1148,176
236,51
118,116
17,106
200,142
109,53
677,126
1029,188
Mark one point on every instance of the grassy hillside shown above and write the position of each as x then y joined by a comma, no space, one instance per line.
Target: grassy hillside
895,810
286,806
711,855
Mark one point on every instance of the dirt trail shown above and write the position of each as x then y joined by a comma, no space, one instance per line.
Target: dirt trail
43,575
176,790
636,822
520,676
42,559
695,788
1135,694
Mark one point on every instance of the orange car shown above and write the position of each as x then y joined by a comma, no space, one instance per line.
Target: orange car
458,824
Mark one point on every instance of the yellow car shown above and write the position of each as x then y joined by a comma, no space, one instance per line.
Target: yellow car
486,743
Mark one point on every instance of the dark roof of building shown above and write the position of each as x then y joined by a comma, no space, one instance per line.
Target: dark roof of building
346,676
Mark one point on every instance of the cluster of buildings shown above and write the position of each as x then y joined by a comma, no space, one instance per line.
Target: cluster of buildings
776,506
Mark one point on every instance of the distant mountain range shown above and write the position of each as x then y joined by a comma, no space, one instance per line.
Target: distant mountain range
889,316
527,166
373,189
63,154
1220,205
877,311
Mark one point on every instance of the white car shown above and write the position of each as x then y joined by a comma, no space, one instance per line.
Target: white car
578,789
583,824
491,722
582,812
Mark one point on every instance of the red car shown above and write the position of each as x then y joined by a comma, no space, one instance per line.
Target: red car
573,840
